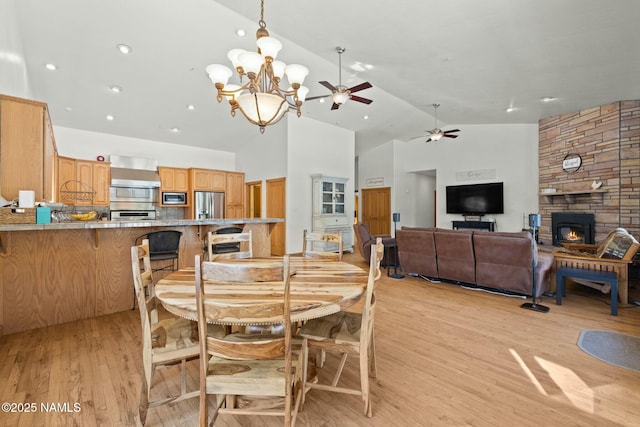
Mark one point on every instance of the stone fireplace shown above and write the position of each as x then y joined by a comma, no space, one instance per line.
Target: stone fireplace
606,139
569,227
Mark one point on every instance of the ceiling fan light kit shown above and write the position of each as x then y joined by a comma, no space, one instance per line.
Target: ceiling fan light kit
436,134
340,93
261,100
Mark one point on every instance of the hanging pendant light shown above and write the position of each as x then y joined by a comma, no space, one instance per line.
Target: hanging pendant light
261,100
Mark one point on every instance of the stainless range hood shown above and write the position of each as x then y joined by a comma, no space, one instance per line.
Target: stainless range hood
135,172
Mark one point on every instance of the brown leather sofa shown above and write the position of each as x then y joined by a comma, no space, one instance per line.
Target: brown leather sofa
364,240
494,260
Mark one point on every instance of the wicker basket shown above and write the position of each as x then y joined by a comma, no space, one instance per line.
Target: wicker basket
17,215
73,191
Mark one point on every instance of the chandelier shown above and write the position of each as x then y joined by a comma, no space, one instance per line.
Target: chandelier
261,99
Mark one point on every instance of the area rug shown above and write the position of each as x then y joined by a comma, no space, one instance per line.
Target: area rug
611,347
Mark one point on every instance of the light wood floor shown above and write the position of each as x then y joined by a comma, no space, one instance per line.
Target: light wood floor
447,356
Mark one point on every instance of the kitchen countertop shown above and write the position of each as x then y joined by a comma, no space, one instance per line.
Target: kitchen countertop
75,225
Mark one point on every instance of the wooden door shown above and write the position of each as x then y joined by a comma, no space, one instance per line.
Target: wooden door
376,210
253,194
276,208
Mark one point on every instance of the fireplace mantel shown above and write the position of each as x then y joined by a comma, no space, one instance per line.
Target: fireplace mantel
570,196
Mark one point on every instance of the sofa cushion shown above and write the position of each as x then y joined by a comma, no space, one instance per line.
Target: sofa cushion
417,251
504,261
455,256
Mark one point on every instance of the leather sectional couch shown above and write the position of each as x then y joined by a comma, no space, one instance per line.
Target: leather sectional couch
495,260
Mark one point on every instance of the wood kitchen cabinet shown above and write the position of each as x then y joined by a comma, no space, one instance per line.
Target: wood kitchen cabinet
207,180
174,179
96,176
27,149
234,195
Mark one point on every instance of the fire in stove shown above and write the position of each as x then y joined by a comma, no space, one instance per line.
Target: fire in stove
573,236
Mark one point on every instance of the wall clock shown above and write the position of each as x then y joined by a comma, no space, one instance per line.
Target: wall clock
571,162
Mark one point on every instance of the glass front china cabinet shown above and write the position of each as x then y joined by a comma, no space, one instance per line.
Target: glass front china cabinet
329,211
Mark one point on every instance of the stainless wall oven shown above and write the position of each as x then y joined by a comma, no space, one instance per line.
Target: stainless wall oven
133,203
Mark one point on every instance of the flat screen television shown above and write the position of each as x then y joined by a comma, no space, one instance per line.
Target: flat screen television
475,199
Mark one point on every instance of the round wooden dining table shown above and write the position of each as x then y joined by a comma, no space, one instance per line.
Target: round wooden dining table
318,288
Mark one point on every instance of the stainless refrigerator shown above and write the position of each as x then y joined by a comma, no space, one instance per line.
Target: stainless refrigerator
209,204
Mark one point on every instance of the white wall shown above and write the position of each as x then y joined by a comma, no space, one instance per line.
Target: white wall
265,156
13,70
315,148
82,144
378,164
424,201
297,148
509,151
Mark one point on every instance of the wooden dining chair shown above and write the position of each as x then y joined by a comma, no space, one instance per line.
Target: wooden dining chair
350,334
165,342
250,374
243,239
327,241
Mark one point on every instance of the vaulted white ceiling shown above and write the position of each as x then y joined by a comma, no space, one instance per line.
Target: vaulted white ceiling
474,58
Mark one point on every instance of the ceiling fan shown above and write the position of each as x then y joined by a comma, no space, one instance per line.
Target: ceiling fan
435,134
341,94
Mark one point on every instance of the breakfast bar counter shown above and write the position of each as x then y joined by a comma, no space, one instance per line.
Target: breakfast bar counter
60,272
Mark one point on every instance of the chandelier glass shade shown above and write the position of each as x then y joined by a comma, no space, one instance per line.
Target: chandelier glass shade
260,98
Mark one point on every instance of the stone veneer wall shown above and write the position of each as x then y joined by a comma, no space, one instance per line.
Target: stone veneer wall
608,140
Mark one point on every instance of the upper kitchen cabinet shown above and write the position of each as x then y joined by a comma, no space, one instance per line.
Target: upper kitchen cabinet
207,180
79,178
234,195
27,149
173,179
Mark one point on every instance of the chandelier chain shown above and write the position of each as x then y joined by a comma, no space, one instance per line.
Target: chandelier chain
261,21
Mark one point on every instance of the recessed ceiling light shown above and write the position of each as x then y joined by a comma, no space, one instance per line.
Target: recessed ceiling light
68,109
321,100
240,32
110,117
548,99
191,107
116,89
365,117
510,109
175,130
124,49
51,67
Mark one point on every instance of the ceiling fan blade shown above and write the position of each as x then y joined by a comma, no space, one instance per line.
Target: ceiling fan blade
429,140
360,99
361,86
452,130
449,136
310,98
328,85
335,106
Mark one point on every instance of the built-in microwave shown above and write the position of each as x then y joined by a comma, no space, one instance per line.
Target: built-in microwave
174,198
